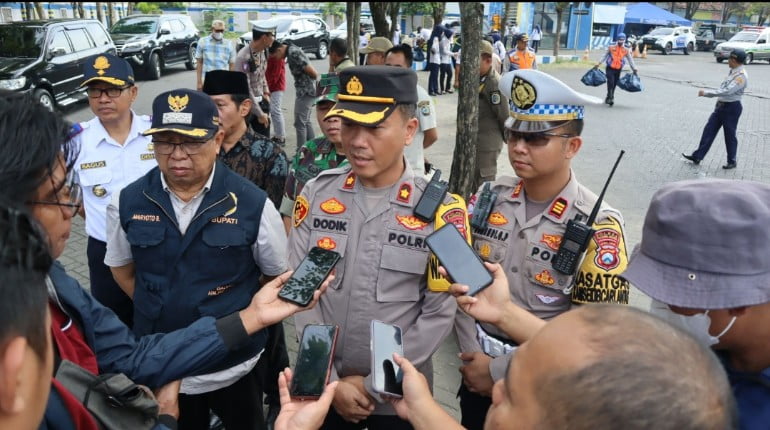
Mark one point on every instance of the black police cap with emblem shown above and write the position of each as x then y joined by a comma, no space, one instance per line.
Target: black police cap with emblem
184,111
369,94
225,82
107,68
540,102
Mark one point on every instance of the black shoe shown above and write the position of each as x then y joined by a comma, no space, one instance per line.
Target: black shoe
612,101
272,413
607,100
691,158
432,94
732,165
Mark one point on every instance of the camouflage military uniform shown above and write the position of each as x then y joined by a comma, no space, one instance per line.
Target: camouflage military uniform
259,160
312,158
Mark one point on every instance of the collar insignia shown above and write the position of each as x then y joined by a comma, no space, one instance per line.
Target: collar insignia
558,207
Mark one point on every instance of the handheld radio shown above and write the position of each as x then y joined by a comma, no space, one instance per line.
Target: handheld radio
575,240
483,207
431,198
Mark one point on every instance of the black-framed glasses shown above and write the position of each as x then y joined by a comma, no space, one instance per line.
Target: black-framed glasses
540,138
191,147
69,197
219,31
112,92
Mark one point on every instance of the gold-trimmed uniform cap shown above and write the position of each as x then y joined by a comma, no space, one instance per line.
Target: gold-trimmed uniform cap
540,102
107,68
369,94
377,44
184,111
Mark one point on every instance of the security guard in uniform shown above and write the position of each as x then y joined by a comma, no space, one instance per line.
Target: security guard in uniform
521,56
526,224
192,238
615,58
113,153
364,212
493,111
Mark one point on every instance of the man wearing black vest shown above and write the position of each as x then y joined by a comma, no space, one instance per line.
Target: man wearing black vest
192,238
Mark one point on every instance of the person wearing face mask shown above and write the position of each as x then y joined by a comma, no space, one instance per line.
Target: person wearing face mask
214,52
615,58
703,256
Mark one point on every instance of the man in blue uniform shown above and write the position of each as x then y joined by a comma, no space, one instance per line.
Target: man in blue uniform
113,153
726,113
192,238
704,254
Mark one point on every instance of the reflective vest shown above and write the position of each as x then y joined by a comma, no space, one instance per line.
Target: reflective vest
617,57
521,59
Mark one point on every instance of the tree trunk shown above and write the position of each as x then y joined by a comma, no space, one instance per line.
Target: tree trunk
353,15
464,158
438,14
557,35
129,9
690,9
379,12
393,11
110,14
99,12
672,6
39,10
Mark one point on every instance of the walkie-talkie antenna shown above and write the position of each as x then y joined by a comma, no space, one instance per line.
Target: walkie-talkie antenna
595,210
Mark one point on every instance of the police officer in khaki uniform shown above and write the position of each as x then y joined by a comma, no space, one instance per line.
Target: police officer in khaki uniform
525,226
364,211
493,110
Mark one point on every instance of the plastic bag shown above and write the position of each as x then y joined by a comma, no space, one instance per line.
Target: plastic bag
594,78
631,83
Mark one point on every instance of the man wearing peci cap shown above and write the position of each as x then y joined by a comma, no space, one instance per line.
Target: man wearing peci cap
493,111
526,225
727,111
214,52
252,60
113,153
375,51
191,239
521,56
615,58
322,153
364,211
703,256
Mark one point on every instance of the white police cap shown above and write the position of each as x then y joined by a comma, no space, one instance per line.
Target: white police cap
540,102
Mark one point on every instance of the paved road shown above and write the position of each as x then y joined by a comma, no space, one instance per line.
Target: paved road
653,127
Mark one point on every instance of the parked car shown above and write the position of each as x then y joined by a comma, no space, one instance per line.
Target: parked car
668,39
711,35
153,42
755,41
46,58
307,32
341,30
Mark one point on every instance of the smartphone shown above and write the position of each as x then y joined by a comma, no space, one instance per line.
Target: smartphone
461,262
309,276
386,374
314,361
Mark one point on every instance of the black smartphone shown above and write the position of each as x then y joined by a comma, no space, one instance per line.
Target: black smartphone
386,374
461,262
309,276
314,361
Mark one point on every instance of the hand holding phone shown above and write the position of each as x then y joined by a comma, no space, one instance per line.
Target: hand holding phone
314,361
386,374
309,276
459,260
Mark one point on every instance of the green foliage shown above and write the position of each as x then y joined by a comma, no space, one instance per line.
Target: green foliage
148,7
219,11
337,10
416,8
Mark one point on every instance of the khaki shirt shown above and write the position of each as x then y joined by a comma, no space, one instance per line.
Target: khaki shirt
382,273
525,249
493,111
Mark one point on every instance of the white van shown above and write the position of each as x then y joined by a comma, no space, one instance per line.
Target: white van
754,40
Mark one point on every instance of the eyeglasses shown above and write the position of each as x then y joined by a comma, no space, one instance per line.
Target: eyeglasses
69,197
540,138
219,31
112,92
191,147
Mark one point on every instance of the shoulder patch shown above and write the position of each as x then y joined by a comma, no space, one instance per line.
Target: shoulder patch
300,211
76,129
494,97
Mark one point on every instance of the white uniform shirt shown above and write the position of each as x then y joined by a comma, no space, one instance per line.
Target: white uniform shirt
426,114
269,253
104,167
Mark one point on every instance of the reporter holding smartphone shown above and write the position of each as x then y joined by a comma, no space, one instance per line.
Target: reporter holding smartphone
364,211
526,225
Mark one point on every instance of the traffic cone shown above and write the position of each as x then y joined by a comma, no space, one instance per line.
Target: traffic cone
585,55
636,51
644,52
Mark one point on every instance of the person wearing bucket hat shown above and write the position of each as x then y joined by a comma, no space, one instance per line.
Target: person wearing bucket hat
322,153
365,212
526,225
189,210
615,58
703,259
521,56
375,51
727,111
113,153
